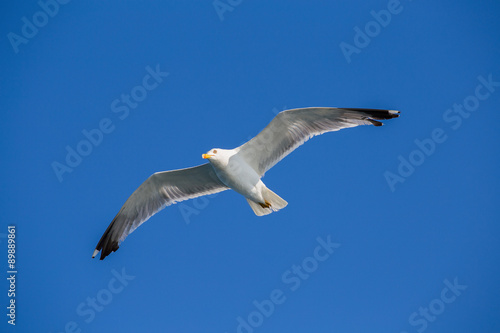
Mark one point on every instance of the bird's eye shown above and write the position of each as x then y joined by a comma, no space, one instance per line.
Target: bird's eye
215,151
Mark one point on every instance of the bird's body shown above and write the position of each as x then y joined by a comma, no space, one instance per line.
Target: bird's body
239,169
237,174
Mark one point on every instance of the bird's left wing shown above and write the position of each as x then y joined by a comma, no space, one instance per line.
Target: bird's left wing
158,191
291,128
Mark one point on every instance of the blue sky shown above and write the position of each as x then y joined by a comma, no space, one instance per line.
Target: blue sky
409,210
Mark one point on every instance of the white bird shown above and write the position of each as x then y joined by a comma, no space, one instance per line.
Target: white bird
239,169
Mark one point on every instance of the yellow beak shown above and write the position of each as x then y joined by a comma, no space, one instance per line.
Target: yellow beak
206,155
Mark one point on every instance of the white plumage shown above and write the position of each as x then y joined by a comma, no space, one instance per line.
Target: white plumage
239,169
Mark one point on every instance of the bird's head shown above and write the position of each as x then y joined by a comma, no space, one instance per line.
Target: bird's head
212,154
218,156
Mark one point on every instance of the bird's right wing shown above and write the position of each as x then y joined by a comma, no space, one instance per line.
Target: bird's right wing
291,128
158,191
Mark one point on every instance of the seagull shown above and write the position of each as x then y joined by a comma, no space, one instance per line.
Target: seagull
239,169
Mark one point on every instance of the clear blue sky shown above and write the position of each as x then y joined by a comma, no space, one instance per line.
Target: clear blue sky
411,207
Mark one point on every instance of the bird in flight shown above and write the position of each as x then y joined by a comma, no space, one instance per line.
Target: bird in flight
239,169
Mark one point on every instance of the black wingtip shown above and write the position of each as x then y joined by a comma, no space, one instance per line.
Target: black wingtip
105,251
111,248
379,114
107,243
106,248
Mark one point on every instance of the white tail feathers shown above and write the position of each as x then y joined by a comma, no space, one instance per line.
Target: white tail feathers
273,203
